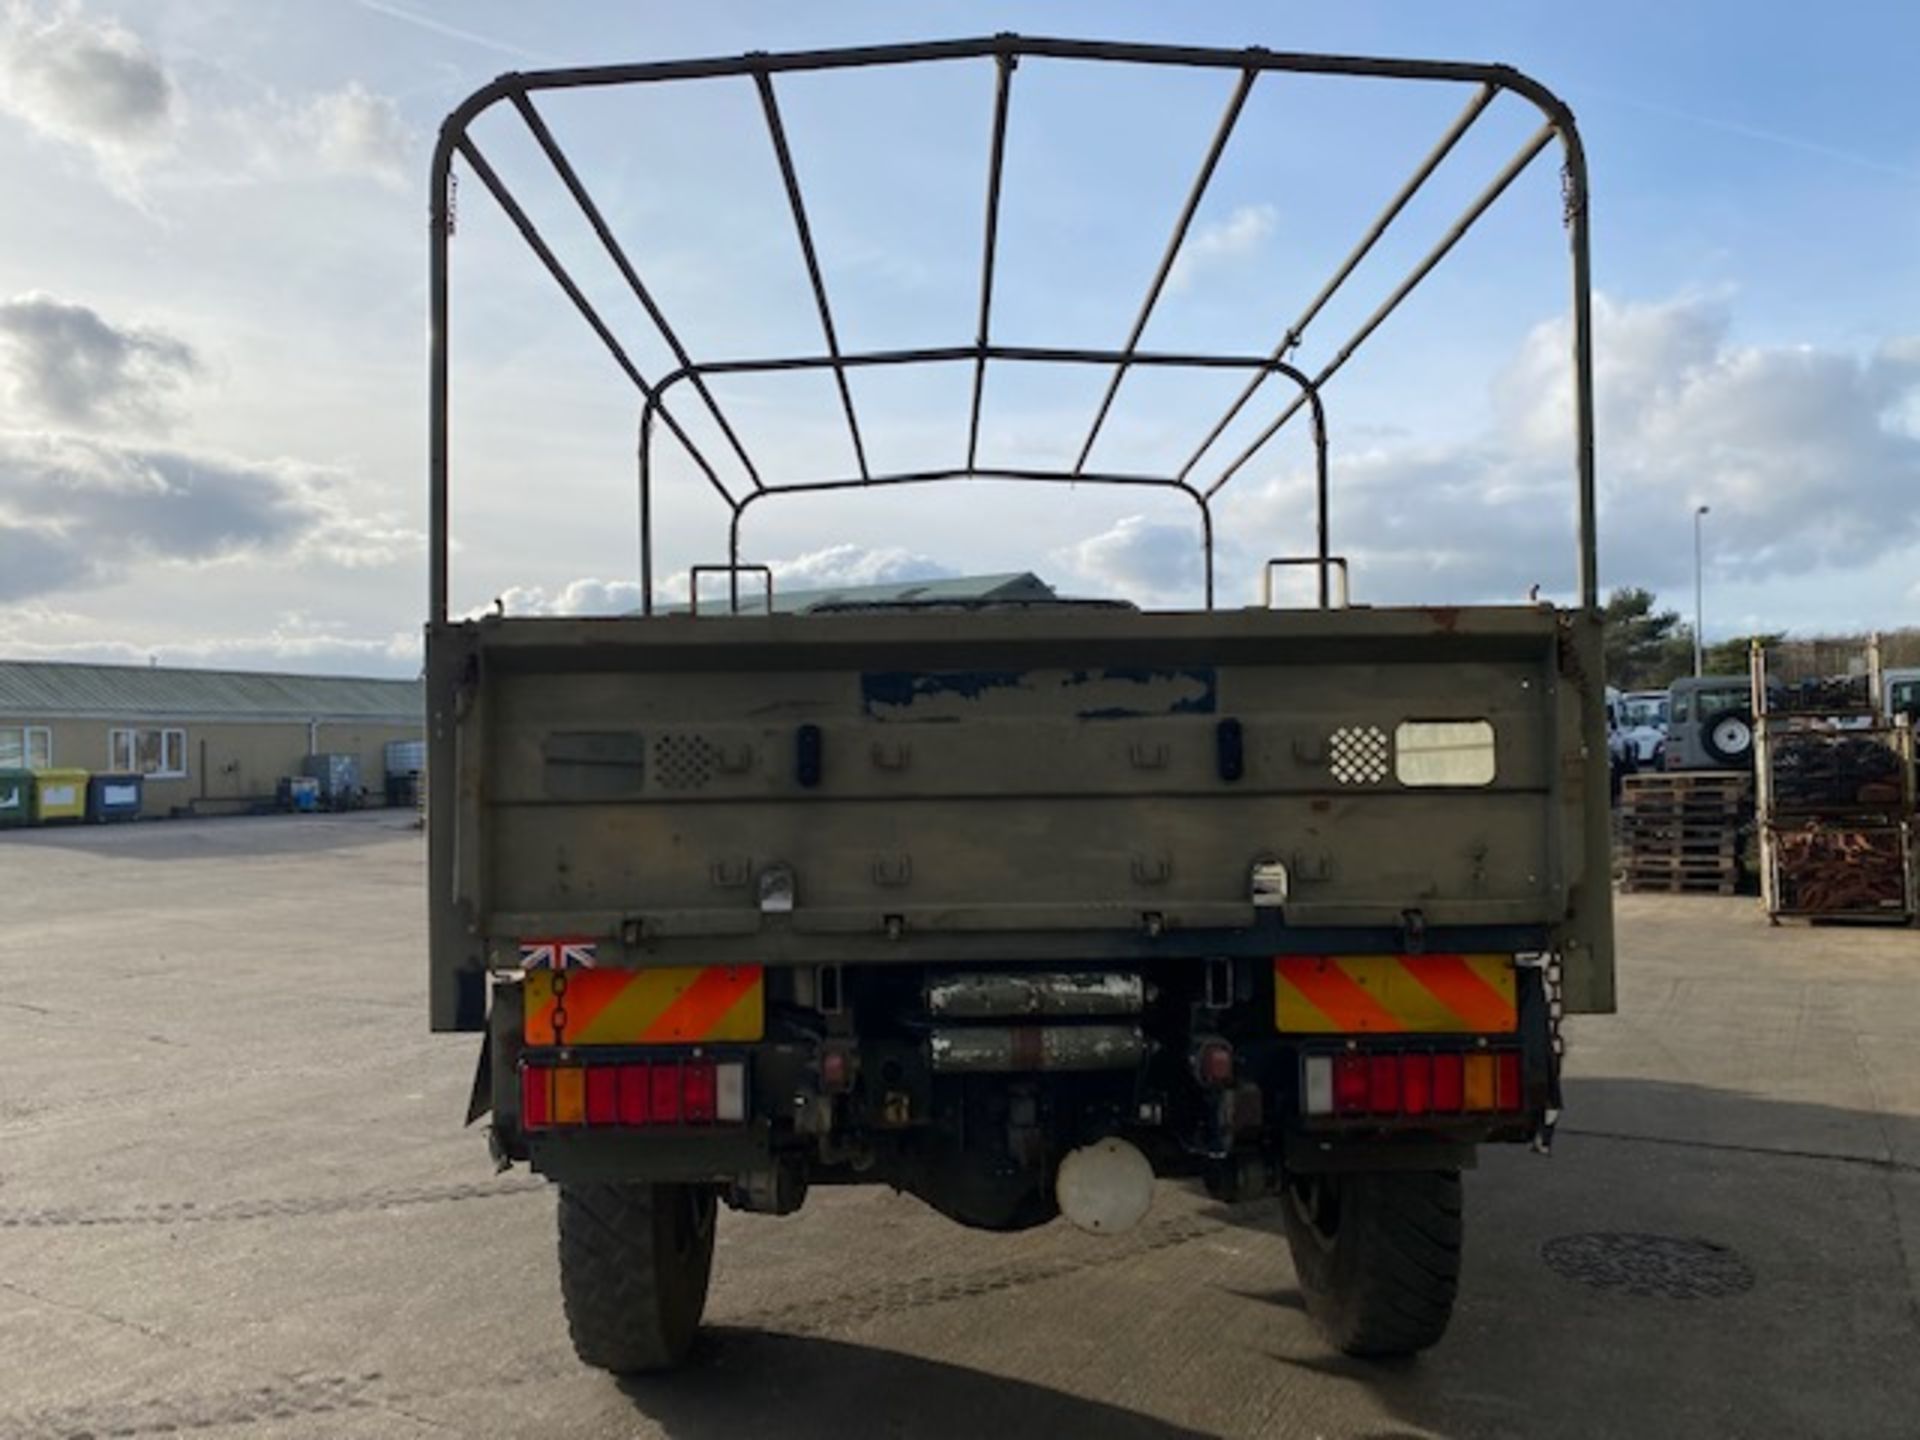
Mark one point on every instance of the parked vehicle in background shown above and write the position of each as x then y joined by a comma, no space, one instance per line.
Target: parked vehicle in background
1710,723
1643,721
1623,758
1014,906
1902,693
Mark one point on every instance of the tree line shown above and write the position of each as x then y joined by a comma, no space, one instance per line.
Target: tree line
1649,648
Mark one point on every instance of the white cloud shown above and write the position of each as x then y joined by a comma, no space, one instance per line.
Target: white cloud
77,511
294,641
1245,230
63,364
356,132
842,565
1149,561
1795,448
91,83
84,81
78,507
577,597
834,567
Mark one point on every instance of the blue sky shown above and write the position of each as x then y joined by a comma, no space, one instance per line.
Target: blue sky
212,306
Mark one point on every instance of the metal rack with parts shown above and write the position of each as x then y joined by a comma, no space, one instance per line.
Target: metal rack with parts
1835,797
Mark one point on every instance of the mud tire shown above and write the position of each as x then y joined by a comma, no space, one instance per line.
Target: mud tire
1378,1256
634,1265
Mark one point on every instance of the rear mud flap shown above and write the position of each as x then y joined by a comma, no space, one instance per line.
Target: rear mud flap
480,1101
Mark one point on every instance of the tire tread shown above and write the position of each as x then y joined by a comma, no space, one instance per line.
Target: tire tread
1388,1283
632,1304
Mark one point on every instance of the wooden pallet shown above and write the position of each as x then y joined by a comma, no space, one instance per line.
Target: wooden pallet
1684,814
1677,885
1695,864
1664,804
1703,846
1679,831
1649,782
1682,817
1680,883
1687,866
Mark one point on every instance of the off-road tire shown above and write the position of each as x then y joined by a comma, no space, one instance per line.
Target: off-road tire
634,1265
1378,1256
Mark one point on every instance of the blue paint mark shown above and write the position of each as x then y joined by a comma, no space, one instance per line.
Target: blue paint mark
893,694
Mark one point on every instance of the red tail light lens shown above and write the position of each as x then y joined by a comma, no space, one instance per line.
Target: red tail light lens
665,1092
1509,1093
635,1094
603,1096
1349,1084
666,1095
1416,1084
536,1098
696,1092
1383,1084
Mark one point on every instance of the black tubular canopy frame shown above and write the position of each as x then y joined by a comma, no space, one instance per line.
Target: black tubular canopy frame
1004,51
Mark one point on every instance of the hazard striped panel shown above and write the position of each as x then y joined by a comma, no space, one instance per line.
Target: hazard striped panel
1394,994
673,1005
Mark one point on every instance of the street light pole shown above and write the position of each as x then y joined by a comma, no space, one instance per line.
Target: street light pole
1699,590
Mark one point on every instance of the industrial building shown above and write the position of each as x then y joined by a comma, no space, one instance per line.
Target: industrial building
204,742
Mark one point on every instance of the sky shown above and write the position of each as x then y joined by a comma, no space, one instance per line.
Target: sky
213,312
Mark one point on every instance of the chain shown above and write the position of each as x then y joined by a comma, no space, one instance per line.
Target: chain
453,201
1551,983
559,1006
1556,1007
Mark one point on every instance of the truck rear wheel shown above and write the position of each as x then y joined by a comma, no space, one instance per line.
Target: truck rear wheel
634,1266
1378,1256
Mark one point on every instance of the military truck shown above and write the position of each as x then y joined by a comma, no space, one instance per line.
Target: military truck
1019,905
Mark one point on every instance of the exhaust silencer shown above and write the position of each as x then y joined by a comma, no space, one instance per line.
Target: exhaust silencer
1018,994
977,1049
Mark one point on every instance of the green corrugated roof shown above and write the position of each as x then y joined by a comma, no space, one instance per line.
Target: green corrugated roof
56,689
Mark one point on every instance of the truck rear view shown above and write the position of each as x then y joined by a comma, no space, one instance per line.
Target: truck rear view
1018,904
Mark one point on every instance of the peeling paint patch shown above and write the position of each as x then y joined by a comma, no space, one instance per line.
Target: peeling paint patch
1120,693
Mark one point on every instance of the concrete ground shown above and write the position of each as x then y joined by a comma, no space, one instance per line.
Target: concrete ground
235,1198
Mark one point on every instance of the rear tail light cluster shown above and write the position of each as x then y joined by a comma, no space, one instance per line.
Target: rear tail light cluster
637,1095
1410,1084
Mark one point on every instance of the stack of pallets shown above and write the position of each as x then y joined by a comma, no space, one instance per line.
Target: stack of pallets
1681,830
1837,803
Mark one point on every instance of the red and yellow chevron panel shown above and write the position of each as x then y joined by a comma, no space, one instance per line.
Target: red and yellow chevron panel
1395,994
673,1005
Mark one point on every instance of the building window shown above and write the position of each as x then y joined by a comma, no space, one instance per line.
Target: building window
25,747
160,754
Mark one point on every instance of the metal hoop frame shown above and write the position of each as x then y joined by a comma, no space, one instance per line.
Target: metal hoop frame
1005,52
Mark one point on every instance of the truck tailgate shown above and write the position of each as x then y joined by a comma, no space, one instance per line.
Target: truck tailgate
1048,782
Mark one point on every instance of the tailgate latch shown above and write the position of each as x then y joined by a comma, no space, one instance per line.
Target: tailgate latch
1413,932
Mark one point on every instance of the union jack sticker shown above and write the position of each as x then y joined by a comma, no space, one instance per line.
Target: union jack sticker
558,954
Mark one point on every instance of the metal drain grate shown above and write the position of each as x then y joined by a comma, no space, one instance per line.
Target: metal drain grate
683,762
1357,755
1663,1267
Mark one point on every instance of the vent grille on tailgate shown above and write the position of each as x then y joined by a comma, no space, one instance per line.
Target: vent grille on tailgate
1357,755
683,762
